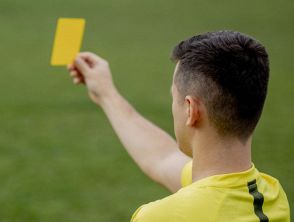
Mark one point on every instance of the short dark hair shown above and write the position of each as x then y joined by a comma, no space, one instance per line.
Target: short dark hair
229,71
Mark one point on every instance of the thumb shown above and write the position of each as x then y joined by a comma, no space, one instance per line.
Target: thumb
82,66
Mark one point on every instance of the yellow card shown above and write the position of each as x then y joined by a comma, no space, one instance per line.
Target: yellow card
68,39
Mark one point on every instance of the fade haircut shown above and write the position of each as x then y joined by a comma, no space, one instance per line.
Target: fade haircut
229,71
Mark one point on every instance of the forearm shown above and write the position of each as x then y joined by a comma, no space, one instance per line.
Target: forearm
146,143
153,150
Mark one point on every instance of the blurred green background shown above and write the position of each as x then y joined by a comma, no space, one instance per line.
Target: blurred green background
59,158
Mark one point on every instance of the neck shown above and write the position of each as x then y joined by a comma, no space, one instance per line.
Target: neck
214,156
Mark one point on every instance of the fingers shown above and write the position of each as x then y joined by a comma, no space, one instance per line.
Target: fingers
77,77
82,65
70,68
91,57
88,57
74,73
77,81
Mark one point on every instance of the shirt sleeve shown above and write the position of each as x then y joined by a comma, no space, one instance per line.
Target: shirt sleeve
134,219
168,209
186,175
160,211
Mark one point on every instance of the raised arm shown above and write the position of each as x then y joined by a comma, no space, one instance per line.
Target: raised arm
154,151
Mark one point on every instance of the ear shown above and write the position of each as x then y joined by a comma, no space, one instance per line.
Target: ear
192,110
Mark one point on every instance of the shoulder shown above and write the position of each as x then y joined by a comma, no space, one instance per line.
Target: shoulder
271,184
186,204
272,187
276,200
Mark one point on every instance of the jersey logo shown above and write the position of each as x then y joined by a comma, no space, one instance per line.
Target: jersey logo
258,201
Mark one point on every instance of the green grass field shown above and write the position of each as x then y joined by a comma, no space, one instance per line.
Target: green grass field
59,158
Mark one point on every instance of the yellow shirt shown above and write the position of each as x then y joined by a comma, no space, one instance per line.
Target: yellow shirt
247,196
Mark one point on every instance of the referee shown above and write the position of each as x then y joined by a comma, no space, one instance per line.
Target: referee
219,88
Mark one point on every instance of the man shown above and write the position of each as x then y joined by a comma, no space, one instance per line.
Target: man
219,88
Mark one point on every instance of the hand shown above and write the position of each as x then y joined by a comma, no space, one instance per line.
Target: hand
94,72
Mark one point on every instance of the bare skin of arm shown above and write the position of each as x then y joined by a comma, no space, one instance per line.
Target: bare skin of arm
154,151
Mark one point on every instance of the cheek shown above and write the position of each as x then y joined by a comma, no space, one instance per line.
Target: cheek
174,111
178,122
181,131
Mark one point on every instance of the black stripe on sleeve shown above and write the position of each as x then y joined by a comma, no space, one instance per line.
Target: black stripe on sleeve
258,201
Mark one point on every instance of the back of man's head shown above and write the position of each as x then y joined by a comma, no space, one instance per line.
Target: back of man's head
229,72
